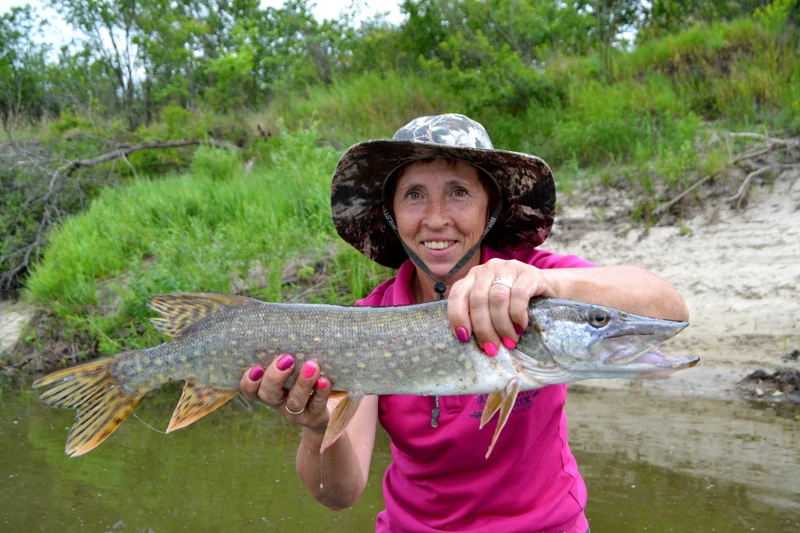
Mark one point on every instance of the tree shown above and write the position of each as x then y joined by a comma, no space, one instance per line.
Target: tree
22,67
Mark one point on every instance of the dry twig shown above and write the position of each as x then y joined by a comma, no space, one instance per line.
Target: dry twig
772,145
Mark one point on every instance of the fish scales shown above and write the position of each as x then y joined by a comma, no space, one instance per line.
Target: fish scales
386,350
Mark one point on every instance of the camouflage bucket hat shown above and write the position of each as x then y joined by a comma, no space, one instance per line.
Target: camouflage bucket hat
525,183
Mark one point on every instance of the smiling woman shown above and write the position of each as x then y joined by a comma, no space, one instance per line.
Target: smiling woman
461,220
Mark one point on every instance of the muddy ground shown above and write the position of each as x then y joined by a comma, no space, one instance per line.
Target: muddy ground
739,272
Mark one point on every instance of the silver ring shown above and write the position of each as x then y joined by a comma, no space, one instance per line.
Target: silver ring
501,281
292,412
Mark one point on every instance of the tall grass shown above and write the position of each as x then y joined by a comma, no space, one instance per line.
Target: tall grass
372,106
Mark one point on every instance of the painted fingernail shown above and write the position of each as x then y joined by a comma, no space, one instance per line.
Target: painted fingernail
509,343
490,349
518,329
308,369
256,373
285,362
321,383
462,334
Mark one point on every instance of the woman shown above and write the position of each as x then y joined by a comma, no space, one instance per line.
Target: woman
461,220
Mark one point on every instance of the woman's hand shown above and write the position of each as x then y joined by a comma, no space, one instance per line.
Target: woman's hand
304,404
495,312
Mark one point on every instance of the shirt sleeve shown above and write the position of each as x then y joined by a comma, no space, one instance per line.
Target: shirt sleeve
544,259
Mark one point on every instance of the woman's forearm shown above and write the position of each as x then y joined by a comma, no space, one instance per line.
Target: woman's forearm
627,288
337,477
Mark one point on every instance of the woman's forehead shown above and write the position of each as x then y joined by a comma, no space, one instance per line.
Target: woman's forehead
431,170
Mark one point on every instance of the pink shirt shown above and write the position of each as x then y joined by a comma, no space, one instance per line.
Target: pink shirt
439,479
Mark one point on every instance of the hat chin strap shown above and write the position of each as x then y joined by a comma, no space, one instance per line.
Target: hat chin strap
440,286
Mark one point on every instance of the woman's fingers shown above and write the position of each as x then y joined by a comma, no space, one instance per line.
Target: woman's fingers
458,309
300,393
491,302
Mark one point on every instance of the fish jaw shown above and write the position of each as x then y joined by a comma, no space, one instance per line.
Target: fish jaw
582,341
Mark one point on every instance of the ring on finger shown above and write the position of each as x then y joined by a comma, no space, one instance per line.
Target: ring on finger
502,281
293,412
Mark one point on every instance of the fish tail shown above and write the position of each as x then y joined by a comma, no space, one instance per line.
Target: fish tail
101,402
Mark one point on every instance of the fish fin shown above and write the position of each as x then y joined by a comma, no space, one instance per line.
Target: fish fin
493,402
340,417
180,310
197,400
509,397
91,389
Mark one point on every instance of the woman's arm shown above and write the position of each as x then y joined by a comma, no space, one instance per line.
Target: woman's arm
627,288
497,314
343,469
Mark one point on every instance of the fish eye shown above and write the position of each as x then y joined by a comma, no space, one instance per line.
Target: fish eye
598,318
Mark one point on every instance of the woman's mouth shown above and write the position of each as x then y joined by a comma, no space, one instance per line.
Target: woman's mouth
437,245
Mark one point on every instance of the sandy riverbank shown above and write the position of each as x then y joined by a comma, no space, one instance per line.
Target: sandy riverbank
738,271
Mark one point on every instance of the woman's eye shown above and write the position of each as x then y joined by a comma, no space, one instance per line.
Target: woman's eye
412,195
460,192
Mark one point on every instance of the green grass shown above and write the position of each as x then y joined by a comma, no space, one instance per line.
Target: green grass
371,106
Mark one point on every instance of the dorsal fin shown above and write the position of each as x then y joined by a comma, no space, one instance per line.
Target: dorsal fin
182,309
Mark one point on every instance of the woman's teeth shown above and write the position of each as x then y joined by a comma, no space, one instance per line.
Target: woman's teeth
438,245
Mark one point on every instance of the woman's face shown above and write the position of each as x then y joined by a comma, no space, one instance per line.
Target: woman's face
441,207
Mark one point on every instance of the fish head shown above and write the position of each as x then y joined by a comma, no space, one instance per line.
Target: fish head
588,340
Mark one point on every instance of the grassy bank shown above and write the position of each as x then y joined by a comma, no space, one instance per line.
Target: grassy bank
266,233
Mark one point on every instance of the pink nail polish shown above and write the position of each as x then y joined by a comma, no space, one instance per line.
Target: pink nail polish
256,373
518,329
509,343
490,349
285,362
308,369
462,334
321,383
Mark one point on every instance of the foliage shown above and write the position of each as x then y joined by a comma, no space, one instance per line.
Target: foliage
485,78
22,67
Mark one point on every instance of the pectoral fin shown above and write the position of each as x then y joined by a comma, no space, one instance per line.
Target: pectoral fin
505,402
340,417
493,402
197,401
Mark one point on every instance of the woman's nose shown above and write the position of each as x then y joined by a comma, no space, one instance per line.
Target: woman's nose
436,215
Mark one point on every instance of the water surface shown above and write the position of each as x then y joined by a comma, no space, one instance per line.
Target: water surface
656,464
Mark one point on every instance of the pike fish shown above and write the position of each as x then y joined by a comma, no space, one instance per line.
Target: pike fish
362,350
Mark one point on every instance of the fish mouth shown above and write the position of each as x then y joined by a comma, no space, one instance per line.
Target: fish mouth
633,343
658,360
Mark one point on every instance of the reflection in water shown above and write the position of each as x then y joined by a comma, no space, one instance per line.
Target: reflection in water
651,464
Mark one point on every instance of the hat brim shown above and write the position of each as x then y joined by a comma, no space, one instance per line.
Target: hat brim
526,186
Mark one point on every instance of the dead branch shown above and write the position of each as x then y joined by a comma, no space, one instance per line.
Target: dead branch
772,140
20,260
740,196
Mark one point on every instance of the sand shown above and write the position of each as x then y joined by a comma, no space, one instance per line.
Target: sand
739,273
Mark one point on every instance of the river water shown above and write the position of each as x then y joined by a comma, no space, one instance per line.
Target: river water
655,463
